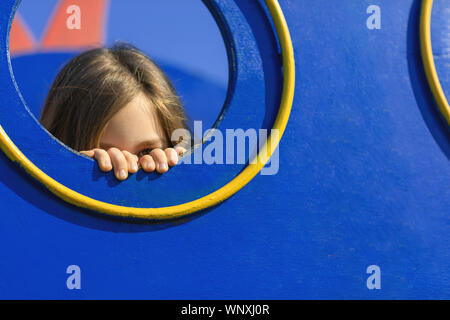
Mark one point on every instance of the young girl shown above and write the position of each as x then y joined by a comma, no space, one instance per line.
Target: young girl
118,107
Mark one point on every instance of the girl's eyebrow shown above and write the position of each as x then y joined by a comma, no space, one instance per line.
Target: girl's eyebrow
106,146
152,143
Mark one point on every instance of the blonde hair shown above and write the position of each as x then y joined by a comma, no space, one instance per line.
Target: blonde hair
96,84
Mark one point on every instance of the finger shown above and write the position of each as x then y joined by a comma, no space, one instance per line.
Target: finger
180,150
147,163
172,156
119,163
103,159
89,153
160,160
132,161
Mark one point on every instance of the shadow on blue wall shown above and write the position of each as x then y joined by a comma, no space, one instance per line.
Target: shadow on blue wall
422,92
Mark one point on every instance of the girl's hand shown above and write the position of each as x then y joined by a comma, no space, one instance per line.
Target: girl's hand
160,160
125,162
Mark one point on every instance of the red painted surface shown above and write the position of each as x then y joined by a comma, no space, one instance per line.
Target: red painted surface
92,27
22,40
58,36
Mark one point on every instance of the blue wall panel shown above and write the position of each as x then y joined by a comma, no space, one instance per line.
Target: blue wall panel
363,180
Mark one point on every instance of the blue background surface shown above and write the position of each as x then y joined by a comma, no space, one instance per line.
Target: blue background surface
363,180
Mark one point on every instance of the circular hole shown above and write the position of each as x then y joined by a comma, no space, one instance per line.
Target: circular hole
180,36
168,197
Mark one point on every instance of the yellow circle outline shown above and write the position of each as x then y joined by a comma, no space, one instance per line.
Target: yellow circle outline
209,200
428,60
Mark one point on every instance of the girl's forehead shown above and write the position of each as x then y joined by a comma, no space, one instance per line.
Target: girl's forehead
138,109
135,122
143,102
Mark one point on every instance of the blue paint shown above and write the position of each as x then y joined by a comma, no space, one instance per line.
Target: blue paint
177,32
363,180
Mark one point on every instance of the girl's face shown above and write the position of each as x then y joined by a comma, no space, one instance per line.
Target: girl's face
135,128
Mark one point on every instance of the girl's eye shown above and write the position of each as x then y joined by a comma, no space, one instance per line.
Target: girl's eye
144,152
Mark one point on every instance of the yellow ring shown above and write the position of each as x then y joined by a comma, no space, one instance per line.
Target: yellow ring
211,199
428,60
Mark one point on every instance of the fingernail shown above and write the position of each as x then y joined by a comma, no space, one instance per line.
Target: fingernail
134,166
163,166
122,174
